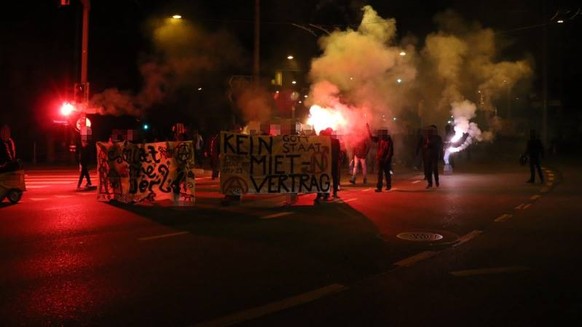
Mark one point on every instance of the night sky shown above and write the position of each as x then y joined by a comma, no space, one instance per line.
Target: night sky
40,45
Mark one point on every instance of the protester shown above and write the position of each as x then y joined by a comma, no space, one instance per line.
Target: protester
384,154
361,150
83,154
335,166
198,147
336,161
433,153
213,154
8,160
418,162
534,152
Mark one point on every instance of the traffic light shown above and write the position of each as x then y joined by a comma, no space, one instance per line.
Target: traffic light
67,109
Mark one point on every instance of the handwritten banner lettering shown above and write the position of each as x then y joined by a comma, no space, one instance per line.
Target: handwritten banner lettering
263,164
146,173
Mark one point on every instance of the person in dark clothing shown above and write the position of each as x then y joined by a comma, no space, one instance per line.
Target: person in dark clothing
335,166
335,163
7,151
384,154
213,149
534,152
83,160
432,154
422,150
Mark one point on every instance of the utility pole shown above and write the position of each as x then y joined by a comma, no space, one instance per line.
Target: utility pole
256,56
84,131
544,134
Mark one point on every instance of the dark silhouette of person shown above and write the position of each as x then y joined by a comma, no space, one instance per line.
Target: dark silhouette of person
534,152
384,154
83,160
335,162
433,154
214,148
7,150
422,150
335,165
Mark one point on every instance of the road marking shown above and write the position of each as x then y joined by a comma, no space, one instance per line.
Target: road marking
35,187
467,237
149,238
535,197
417,181
503,217
62,207
488,271
415,258
350,200
527,205
254,313
38,199
367,189
520,206
275,215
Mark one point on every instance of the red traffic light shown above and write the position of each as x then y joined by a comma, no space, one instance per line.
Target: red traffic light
67,109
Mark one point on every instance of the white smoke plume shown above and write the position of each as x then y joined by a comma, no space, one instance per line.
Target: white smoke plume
454,70
359,71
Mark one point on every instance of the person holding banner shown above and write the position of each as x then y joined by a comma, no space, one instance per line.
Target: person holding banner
213,152
384,154
335,166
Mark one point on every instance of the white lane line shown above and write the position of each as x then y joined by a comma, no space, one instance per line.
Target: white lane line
35,187
503,217
467,237
417,181
62,207
48,182
520,206
535,197
488,271
349,200
254,313
407,262
368,189
155,237
38,199
275,215
527,205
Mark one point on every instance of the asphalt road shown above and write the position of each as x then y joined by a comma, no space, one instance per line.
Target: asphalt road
484,248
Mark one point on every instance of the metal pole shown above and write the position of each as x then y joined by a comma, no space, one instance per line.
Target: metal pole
84,56
85,41
544,133
256,61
